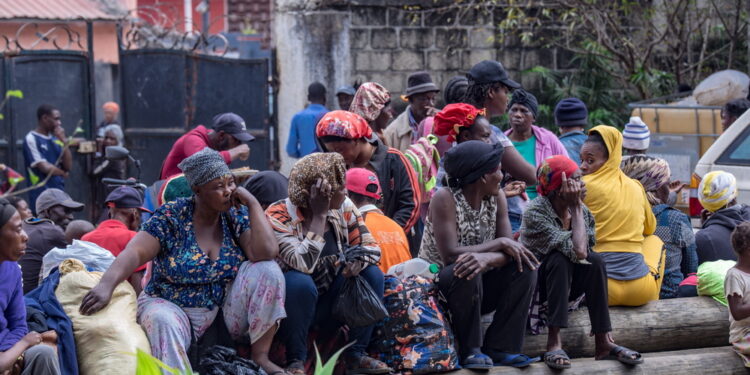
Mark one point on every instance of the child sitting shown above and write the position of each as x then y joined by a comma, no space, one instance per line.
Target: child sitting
737,290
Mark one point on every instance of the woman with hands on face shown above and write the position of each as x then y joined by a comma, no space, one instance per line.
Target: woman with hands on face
20,350
315,228
559,229
468,234
213,250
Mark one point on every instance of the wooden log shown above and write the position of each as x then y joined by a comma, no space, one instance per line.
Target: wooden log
671,324
718,360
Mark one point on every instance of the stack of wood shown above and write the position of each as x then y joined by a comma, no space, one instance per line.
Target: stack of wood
682,335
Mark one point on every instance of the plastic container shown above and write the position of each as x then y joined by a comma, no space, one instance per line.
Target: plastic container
413,267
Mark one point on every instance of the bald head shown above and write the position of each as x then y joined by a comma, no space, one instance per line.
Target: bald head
77,229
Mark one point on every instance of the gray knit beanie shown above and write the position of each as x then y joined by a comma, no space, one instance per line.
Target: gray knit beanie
203,166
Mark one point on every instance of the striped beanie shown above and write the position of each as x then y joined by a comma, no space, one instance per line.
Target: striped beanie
636,135
717,190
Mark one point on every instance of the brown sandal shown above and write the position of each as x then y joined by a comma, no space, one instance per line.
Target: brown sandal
366,365
295,368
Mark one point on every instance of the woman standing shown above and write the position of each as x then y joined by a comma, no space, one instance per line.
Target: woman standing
315,227
468,234
373,103
206,258
625,223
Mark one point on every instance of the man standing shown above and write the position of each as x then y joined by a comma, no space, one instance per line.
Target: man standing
571,116
54,210
42,150
345,96
125,206
228,136
420,92
301,140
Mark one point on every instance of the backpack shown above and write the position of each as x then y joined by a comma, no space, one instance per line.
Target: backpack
425,159
415,337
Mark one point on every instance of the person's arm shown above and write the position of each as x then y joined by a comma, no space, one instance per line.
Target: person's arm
578,229
518,167
408,191
739,309
259,242
15,314
502,221
9,357
67,156
689,262
141,249
541,233
292,143
735,289
194,143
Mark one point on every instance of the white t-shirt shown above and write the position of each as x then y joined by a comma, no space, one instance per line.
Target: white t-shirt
737,282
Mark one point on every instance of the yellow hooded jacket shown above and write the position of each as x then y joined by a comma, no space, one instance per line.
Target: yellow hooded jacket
621,210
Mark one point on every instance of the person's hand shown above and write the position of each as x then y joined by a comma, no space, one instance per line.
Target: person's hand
471,265
519,253
571,191
241,152
676,186
49,337
32,338
320,197
96,299
59,132
432,111
352,269
514,189
242,197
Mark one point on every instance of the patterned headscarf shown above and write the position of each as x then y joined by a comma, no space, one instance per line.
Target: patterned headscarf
453,117
549,173
309,169
203,166
650,171
370,100
717,190
343,124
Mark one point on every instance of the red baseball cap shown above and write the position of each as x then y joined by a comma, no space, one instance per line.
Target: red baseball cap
363,181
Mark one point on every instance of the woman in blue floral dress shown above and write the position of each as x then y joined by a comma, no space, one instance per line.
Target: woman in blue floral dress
205,255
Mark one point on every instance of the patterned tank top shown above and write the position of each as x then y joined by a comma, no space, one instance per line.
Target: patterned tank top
473,227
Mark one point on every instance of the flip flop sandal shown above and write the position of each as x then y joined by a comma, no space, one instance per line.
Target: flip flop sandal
624,355
366,365
477,362
295,368
551,358
513,360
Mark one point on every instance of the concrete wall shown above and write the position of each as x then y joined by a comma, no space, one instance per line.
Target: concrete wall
342,41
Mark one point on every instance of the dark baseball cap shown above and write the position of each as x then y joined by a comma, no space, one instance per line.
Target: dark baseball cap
232,124
125,197
56,197
489,71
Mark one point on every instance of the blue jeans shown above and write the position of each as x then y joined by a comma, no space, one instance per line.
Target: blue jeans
306,307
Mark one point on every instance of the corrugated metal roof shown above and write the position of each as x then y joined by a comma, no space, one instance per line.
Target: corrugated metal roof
54,10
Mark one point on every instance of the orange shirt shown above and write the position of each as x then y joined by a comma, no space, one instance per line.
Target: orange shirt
394,248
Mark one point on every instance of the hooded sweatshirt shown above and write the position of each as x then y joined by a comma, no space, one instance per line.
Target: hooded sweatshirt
621,211
713,241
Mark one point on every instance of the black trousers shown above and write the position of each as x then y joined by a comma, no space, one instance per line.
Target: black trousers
504,290
561,280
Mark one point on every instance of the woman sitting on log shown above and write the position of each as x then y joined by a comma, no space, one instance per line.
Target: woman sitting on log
672,226
467,233
625,223
210,251
314,227
559,229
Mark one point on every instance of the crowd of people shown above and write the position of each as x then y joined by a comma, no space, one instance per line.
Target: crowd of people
523,223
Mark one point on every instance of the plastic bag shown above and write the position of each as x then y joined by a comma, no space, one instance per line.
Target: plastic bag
106,340
721,87
358,305
225,361
93,256
711,277
416,336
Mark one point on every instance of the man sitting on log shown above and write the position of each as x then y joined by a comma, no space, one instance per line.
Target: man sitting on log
559,229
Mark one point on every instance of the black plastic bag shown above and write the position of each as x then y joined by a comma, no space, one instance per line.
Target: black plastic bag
358,305
221,360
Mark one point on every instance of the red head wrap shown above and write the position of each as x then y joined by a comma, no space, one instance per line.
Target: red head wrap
453,117
343,124
549,173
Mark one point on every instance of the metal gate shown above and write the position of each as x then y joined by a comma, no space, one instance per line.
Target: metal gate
58,77
168,91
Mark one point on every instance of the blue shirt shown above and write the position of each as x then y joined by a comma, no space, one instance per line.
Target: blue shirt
573,142
302,132
674,228
182,272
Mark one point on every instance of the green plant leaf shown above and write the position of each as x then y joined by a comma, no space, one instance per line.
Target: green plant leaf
78,130
2,116
328,367
14,93
146,364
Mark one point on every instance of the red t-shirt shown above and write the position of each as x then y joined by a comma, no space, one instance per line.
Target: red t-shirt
112,235
190,143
